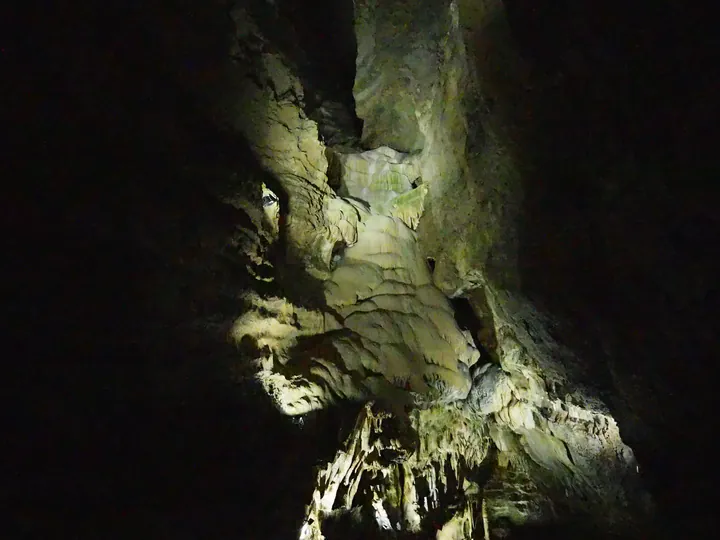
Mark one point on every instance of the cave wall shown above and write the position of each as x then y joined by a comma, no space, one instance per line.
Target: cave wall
131,280
621,135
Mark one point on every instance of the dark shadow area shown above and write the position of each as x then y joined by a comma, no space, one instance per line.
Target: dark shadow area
619,222
559,531
356,524
291,279
465,315
318,37
325,32
125,420
467,319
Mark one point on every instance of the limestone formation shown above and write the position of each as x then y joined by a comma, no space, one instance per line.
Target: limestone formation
335,124
376,176
397,61
434,179
387,331
447,440
402,326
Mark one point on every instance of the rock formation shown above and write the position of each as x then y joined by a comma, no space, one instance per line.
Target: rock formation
458,434
359,269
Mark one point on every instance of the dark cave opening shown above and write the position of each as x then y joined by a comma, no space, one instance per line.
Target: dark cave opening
465,315
467,319
328,39
324,49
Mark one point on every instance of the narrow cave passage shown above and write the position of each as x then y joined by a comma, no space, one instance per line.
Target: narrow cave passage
325,50
327,37
479,325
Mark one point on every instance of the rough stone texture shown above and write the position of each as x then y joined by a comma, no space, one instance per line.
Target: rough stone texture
144,313
386,330
384,294
514,498
459,527
465,161
491,390
385,179
335,124
267,108
376,176
468,162
445,440
396,65
268,111
555,428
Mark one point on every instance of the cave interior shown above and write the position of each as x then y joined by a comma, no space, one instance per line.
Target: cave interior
124,419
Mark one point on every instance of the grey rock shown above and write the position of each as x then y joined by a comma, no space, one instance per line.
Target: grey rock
396,68
490,391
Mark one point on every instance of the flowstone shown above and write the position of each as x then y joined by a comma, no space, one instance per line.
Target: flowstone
449,443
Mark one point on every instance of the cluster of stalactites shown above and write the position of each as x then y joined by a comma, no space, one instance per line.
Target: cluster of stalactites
407,486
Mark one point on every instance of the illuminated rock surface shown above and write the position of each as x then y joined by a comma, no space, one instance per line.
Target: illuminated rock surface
376,176
445,415
362,270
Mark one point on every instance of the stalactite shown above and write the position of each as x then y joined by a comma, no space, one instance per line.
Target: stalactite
432,484
486,524
409,503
